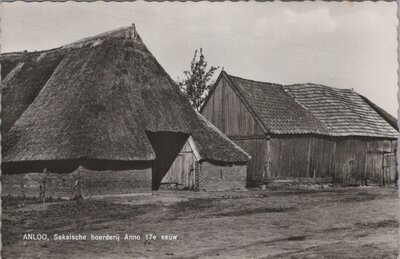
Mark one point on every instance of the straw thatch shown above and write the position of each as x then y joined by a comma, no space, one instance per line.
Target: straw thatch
95,99
23,76
207,133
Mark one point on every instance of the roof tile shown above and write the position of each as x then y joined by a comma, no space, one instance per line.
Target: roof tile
312,109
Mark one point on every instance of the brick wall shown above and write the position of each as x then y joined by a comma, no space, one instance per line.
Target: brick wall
209,176
116,182
60,185
21,184
65,185
221,176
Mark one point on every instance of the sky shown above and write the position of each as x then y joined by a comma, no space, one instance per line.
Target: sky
339,44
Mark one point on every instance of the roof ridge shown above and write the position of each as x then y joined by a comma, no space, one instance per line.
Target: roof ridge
255,81
128,32
318,85
8,54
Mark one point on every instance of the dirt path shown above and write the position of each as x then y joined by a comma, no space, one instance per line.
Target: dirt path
339,223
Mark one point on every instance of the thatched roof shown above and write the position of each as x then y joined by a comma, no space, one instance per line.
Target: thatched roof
207,133
95,99
312,109
23,76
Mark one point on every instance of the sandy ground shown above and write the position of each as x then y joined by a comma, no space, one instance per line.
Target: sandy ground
331,223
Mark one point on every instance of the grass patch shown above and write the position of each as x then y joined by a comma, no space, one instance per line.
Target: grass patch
244,212
14,201
359,197
10,201
205,208
387,223
94,211
194,205
71,215
294,238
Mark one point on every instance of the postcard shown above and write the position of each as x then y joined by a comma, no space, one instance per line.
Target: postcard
199,129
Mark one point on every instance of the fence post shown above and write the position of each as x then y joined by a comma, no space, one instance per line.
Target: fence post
78,195
383,170
44,185
79,184
22,186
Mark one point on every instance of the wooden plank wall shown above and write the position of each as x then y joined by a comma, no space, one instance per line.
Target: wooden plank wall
322,154
349,159
288,157
319,157
296,156
226,111
301,157
257,149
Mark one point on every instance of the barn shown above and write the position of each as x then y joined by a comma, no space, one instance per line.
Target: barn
305,132
103,115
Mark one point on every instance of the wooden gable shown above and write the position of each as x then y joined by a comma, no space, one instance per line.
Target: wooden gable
228,113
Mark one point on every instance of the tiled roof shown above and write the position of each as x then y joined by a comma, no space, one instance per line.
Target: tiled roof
312,109
279,112
342,111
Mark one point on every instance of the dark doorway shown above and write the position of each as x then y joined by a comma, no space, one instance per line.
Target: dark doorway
166,145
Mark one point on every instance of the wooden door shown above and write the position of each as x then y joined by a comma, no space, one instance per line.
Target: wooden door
187,171
181,174
389,168
374,167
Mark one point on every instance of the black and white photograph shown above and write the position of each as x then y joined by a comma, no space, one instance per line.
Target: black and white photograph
199,129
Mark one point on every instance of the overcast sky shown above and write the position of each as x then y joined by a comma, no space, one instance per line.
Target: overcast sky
339,44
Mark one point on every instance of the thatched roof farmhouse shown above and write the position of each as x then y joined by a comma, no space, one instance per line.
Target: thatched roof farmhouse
105,103
305,130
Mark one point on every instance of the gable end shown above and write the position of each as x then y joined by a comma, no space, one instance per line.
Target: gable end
227,109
